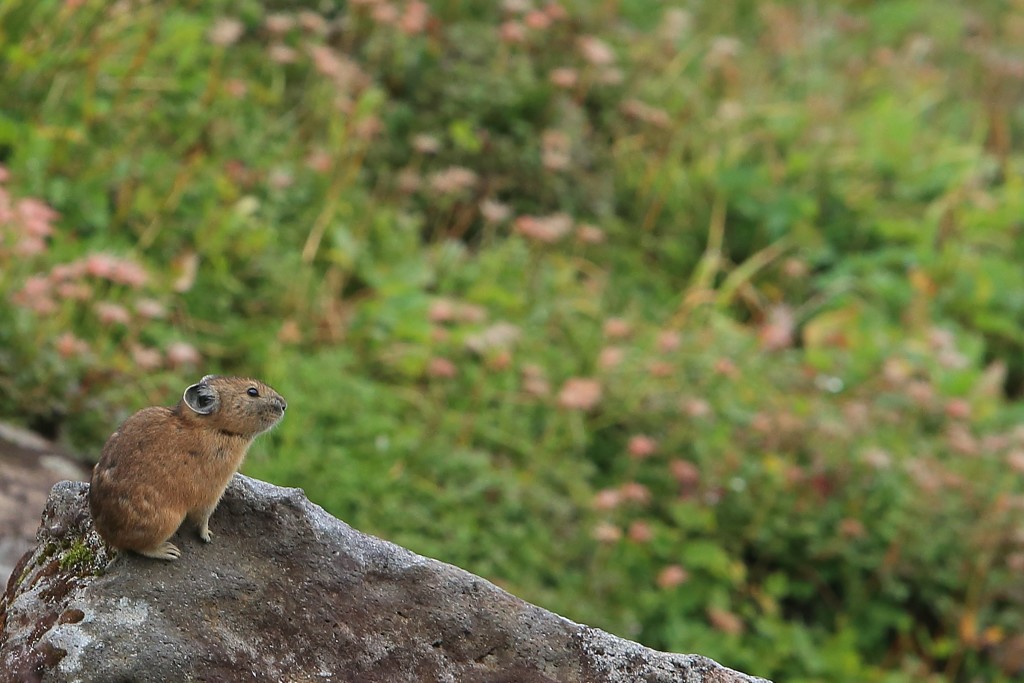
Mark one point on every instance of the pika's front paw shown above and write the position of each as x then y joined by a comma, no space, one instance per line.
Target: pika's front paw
165,551
205,534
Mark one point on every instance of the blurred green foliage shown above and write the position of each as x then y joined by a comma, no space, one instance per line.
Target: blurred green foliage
699,322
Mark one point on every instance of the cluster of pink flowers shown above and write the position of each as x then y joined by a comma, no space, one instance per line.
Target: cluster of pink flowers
411,17
26,223
71,281
523,17
554,227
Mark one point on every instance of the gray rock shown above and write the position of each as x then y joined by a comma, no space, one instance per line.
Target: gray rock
288,593
29,466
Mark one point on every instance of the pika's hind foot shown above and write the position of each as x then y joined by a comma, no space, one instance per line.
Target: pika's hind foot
165,551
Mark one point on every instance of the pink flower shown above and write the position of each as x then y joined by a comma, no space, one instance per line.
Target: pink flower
128,273
414,20
535,382
921,392
226,31
499,361
546,229
537,20
641,446
35,287
494,211
342,70
1015,459
385,13
501,335
595,51
279,24
441,368
150,308
685,472
589,234
5,175
30,246
442,311
672,576
35,295
555,150
958,409
320,160
282,54
181,354
695,407
69,346
68,271
669,340
617,328
426,144
147,358
74,291
453,180
635,492
777,331
556,12
850,527
606,533
725,621
516,6
580,393
236,87
607,499
512,32
280,179
660,368
110,313
99,265
409,181
725,366
877,458
36,217
610,357
564,77
645,113
640,532
312,22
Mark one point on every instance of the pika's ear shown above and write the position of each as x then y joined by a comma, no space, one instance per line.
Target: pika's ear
201,398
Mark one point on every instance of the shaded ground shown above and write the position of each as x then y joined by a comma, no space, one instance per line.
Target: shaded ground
29,466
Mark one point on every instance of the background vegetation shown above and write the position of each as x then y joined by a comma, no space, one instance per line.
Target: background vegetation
696,321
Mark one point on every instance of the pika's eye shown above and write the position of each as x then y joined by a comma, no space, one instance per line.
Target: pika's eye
252,391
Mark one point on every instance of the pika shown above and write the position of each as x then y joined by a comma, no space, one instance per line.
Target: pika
164,465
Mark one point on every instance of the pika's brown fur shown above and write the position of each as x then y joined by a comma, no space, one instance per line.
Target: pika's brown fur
164,465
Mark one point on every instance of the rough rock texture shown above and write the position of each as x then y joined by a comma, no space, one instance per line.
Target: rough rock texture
29,466
288,593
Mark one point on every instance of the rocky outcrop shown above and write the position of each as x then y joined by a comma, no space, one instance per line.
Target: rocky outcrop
288,593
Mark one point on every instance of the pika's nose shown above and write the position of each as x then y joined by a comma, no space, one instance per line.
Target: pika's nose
281,403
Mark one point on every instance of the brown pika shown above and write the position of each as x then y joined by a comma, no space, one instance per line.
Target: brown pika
164,465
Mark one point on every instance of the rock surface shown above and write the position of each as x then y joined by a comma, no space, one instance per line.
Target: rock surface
288,593
29,466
